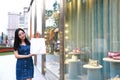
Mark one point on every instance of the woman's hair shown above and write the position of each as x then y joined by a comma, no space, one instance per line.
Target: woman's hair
17,40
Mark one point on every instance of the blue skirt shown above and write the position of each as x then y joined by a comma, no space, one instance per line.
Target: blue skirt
24,68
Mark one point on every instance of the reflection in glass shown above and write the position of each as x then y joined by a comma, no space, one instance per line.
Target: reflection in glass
52,12
52,26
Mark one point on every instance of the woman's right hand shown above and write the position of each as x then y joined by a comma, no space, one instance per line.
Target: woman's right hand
32,55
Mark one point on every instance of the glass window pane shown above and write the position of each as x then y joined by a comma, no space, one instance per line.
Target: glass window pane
51,34
91,31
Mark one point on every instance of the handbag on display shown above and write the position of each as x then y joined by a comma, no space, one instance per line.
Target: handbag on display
113,54
93,62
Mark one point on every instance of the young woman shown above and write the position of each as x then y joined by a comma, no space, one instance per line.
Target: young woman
24,64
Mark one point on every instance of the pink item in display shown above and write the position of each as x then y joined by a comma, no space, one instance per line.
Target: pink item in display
113,54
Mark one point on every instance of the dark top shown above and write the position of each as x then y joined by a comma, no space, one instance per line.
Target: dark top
24,66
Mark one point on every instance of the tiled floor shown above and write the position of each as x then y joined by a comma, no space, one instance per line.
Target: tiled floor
7,69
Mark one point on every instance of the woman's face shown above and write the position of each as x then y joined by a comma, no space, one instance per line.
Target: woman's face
21,35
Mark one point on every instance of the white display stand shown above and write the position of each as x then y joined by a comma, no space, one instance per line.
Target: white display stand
107,59
73,69
114,66
93,72
37,46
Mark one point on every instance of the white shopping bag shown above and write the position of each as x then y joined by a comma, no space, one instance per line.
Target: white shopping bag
37,46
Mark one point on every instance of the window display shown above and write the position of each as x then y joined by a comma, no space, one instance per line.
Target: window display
90,33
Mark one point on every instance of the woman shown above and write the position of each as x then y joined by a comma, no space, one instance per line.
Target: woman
24,64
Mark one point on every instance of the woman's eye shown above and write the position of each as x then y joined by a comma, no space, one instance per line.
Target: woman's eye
21,34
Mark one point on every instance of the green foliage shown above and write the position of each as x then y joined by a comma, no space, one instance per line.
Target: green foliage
6,53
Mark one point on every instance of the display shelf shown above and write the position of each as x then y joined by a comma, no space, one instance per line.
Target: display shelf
93,72
72,53
92,67
114,66
110,59
73,69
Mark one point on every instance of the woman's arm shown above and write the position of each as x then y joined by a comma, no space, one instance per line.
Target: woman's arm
22,56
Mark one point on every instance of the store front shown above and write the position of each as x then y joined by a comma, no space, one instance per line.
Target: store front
91,31
79,34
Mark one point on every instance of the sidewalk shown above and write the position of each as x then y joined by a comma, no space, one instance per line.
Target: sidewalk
7,69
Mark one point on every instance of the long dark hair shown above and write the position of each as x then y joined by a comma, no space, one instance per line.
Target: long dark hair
17,40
